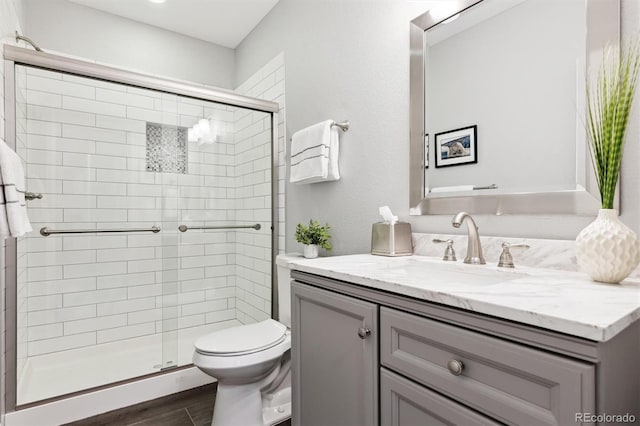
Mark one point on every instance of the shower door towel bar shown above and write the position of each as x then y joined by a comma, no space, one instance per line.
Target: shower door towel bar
30,196
185,228
45,232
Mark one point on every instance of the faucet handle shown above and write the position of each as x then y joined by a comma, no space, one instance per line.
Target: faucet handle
506,260
449,252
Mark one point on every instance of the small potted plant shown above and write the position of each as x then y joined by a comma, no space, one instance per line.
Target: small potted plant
313,236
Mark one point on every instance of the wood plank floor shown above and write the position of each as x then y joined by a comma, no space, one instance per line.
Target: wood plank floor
189,408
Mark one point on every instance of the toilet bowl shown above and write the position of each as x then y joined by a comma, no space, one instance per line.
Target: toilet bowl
252,364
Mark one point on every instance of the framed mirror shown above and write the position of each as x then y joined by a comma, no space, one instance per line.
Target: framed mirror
498,105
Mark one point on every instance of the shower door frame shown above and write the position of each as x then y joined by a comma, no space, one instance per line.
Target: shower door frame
20,56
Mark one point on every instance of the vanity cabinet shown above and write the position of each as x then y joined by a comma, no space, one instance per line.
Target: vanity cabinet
444,365
334,353
510,382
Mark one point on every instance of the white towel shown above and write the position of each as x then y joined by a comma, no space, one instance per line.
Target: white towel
314,154
14,221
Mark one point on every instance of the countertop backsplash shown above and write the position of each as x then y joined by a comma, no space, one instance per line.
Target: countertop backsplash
549,254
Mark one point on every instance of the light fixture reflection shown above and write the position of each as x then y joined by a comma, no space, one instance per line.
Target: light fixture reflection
204,131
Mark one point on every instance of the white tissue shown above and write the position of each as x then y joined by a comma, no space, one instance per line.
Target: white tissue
386,214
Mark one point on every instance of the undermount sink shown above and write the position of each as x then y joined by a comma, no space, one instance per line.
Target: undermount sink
425,269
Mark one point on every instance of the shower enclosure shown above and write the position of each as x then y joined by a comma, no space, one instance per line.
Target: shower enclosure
153,204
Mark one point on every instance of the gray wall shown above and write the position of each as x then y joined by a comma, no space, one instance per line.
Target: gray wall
349,59
77,30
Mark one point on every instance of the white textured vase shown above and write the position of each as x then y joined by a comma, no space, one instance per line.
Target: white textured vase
607,249
310,251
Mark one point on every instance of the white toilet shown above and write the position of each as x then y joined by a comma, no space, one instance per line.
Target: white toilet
252,364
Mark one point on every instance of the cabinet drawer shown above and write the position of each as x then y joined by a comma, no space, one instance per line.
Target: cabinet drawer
512,383
403,403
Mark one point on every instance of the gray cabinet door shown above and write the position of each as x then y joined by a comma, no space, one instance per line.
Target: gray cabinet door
510,382
404,403
335,370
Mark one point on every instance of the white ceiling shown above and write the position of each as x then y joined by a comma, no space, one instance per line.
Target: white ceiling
223,22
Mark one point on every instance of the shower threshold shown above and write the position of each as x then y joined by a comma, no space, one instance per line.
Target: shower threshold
61,373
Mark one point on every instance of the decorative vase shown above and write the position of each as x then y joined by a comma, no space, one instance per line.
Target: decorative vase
607,249
310,251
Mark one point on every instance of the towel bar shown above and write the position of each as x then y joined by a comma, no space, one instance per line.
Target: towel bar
45,232
344,125
29,196
185,228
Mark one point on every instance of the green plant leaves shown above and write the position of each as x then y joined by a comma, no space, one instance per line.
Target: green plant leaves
609,103
314,234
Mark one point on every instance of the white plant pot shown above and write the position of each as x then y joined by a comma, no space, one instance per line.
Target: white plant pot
607,249
310,251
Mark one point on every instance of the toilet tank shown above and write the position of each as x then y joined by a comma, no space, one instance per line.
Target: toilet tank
283,263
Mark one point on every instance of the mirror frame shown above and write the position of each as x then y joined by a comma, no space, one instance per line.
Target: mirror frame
584,200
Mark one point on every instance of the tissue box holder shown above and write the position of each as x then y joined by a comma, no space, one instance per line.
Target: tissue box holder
391,240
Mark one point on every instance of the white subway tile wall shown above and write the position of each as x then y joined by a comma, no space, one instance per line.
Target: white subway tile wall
84,145
253,190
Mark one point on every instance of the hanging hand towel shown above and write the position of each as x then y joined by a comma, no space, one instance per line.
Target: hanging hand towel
314,154
14,221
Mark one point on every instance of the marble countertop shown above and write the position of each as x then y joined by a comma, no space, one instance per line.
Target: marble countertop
563,301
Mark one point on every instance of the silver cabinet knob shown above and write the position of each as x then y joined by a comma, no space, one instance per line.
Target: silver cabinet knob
455,367
364,332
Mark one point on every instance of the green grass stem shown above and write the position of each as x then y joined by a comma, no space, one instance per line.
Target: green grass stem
609,102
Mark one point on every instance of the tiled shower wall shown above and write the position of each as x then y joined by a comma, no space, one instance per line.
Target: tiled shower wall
253,188
84,146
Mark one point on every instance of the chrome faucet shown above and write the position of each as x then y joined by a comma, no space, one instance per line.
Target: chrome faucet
474,247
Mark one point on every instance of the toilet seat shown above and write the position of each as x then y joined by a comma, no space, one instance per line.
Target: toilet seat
249,360
242,340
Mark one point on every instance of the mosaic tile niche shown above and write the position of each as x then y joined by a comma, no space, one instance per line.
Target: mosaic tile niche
166,148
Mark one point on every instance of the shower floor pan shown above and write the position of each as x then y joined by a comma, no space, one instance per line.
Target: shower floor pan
61,373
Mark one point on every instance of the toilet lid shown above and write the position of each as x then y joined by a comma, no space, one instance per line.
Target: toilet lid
242,339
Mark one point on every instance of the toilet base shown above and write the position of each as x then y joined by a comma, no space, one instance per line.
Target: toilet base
247,405
276,407
237,405
243,406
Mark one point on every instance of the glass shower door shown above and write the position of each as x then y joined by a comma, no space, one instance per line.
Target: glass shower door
224,206
91,274
154,228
